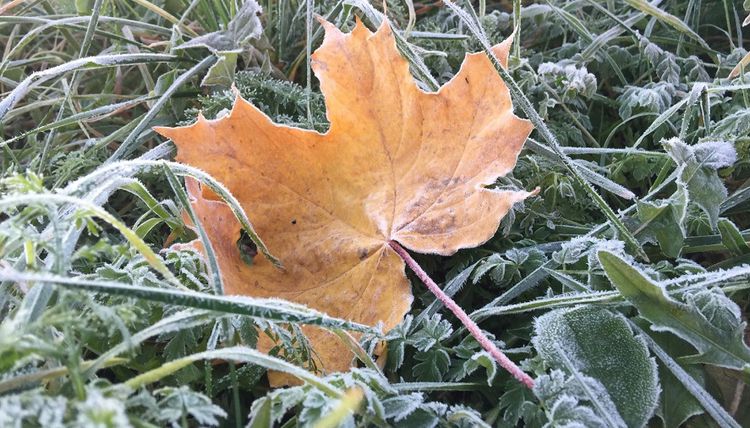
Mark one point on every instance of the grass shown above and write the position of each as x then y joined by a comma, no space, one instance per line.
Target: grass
634,253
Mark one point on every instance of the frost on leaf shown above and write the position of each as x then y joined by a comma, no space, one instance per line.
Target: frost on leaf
663,222
396,164
599,344
697,167
708,320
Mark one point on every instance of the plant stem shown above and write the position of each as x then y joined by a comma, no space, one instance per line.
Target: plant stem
470,325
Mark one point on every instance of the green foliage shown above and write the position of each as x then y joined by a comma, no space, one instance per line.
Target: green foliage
622,386
706,318
663,222
635,247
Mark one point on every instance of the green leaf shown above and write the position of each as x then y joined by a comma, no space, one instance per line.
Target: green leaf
733,125
664,222
706,190
518,403
260,415
732,238
432,365
697,167
599,344
676,403
244,26
567,411
721,344
696,390
270,409
222,72
179,403
478,359
401,406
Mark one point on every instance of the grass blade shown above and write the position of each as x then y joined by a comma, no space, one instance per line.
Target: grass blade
270,309
39,77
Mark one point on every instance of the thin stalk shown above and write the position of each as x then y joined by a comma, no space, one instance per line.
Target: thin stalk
470,325
310,6
235,390
516,29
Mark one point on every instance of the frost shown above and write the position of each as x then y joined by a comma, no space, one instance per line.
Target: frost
32,408
98,411
697,167
717,308
586,247
178,403
244,26
709,154
574,250
733,125
569,80
663,222
654,97
399,407
611,368
566,412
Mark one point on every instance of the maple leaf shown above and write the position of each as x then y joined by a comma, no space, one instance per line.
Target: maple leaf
397,164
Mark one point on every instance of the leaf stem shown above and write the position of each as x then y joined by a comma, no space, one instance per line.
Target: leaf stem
470,325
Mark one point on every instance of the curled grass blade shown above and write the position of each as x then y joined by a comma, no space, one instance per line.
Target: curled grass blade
213,263
130,168
668,19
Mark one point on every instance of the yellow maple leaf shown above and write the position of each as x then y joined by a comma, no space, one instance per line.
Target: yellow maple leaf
397,164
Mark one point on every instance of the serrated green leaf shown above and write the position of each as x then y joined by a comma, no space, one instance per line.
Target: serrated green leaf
244,26
600,344
401,406
222,72
706,190
697,167
664,222
717,346
568,412
432,365
469,366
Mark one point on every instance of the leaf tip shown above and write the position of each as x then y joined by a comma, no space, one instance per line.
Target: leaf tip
502,49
